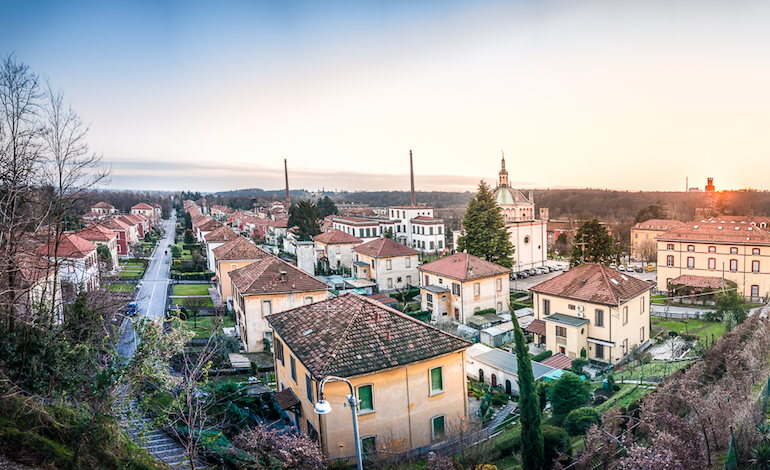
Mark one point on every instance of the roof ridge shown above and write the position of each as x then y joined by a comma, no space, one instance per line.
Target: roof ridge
609,283
342,340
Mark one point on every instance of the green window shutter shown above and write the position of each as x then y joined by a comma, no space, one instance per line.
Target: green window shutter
438,427
436,380
365,395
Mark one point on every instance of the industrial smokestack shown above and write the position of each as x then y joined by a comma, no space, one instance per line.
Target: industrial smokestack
286,172
411,174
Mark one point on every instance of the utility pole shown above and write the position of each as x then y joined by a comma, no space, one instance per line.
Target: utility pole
582,248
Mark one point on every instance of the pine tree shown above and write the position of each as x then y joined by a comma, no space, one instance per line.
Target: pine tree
599,245
485,232
304,215
532,449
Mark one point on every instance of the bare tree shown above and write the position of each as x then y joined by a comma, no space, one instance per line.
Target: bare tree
648,250
194,306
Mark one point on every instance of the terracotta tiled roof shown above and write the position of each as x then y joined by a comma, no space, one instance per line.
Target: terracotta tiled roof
70,246
280,223
239,248
384,248
536,327
209,225
691,280
142,206
103,205
264,277
558,361
335,237
128,220
221,234
425,218
97,233
114,224
34,267
595,283
464,267
657,224
736,230
350,335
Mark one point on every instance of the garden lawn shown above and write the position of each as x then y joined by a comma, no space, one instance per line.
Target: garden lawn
700,328
655,369
129,275
207,303
205,324
191,289
123,287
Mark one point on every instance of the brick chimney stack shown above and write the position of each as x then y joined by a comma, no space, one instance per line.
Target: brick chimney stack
411,173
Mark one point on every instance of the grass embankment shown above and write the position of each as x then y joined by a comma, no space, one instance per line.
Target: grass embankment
205,325
627,394
700,328
191,289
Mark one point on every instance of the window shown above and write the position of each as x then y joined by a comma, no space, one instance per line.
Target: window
293,368
429,299
399,280
267,307
499,284
546,307
476,289
599,351
712,249
427,280
670,247
755,251
733,251
455,288
755,266
361,232
309,388
431,246
308,300
233,267
733,265
561,331
439,232
599,317
337,249
440,245
430,231
690,247
372,264
409,279
437,426
571,306
670,260
408,262
712,264
369,444
641,305
390,283
499,306
755,290
636,235
278,350
436,380
625,314
366,395
388,264
641,335
690,262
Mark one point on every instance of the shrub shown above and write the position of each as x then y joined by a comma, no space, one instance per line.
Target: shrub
506,447
555,441
499,399
486,310
541,356
568,393
616,388
577,366
578,421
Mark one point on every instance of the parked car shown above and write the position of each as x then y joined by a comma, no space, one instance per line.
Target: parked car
638,269
131,309
522,275
622,267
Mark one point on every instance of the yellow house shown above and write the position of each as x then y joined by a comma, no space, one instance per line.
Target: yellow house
457,286
649,230
409,377
594,308
268,286
390,264
733,247
233,255
337,248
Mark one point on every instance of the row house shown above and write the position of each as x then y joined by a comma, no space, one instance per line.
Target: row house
147,211
215,239
37,283
136,228
98,234
390,264
408,378
76,258
593,309
267,286
204,226
277,229
336,248
456,287
650,230
730,247
123,232
233,255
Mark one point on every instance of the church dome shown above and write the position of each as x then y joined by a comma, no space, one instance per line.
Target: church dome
504,196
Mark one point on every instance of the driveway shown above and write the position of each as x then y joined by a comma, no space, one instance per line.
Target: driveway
151,300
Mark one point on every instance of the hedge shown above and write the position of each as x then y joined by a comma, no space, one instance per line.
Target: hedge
543,355
486,310
176,275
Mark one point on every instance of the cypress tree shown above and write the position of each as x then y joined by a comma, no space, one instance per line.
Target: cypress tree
485,232
532,453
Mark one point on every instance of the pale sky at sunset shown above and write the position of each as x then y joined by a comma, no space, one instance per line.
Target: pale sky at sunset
629,94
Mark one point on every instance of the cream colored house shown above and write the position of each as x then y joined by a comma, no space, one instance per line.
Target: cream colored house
409,377
268,286
594,308
214,239
233,255
457,286
649,230
336,248
390,264
100,235
733,247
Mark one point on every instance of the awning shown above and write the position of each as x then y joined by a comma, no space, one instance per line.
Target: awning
601,341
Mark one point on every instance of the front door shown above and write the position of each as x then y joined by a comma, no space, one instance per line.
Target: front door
508,387
481,375
494,380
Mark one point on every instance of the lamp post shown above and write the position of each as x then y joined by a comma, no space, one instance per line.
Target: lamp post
324,407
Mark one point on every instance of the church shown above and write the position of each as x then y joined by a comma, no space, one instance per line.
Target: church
528,234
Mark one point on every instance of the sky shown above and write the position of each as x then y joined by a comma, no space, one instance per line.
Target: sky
209,96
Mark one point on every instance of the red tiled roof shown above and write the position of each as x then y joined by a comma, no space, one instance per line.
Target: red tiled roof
425,218
691,280
221,234
239,248
336,237
657,224
103,205
736,230
97,233
591,282
464,267
558,361
208,225
142,206
384,248
264,277
351,335
70,246
115,224
536,327
34,267
128,219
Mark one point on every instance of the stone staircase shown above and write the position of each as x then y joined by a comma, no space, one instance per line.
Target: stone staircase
156,441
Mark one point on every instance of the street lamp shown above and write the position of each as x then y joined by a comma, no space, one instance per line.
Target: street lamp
324,407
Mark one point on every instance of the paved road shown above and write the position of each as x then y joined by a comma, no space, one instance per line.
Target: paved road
151,301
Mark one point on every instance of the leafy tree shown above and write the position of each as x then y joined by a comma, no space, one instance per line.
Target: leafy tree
532,456
189,238
304,215
187,221
653,211
327,207
599,246
578,364
104,253
389,234
485,232
567,394
731,308
556,443
579,420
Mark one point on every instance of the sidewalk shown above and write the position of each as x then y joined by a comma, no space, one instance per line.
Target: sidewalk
502,414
